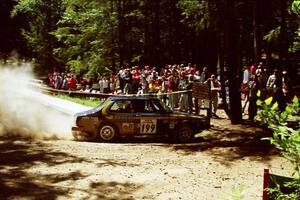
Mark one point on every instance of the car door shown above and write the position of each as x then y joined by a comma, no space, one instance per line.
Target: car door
121,115
149,118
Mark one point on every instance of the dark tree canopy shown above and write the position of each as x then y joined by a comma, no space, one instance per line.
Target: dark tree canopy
90,36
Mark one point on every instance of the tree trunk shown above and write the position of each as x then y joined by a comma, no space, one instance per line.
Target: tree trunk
112,50
254,18
156,35
232,51
283,43
121,31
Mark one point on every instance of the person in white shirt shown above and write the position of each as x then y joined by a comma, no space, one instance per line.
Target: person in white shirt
101,84
105,85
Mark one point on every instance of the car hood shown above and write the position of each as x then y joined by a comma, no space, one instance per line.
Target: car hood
91,112
87,112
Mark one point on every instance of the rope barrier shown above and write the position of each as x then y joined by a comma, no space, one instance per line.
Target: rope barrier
90,94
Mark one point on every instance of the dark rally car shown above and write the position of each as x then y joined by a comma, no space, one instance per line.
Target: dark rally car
122,116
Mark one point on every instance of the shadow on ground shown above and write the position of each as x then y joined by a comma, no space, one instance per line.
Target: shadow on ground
233,142
18,156
223,141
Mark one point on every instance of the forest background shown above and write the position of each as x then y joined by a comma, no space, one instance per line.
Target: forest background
90,37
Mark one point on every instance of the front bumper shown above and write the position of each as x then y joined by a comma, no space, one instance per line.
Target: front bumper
79,134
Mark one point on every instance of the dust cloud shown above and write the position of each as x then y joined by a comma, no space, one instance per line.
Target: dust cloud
23,111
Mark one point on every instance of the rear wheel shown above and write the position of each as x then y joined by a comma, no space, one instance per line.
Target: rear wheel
107,133
184,134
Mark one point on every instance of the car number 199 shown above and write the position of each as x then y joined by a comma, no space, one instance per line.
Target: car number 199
148,126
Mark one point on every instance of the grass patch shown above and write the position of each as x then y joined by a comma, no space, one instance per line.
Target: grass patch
91,102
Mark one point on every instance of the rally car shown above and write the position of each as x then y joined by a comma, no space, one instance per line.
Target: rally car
121,116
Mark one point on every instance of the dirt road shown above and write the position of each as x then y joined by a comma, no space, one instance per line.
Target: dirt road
227,157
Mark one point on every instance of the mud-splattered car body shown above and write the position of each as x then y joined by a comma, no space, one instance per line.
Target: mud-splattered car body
121,116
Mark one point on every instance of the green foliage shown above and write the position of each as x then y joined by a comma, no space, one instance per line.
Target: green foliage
42,17
296,45
91,102
86,30
197,14
286,137
87,36
296,6
272,35
277,194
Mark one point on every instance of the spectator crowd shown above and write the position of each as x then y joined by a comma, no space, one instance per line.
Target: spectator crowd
173,84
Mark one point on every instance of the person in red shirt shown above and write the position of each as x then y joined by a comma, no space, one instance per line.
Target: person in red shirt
171,87
72,83
135,79
51,80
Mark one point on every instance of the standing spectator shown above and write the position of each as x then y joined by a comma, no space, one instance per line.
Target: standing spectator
204,75
51,80
101,88
72,83
112,84
262,82
183,96
65,85
135,79
105,85
176,95
127,82
171,87
271,83
253,88
190,96
253,70
245,83
215,88
143,84
83,83
163,88
286,87
57,81
153,86
122,75
246,75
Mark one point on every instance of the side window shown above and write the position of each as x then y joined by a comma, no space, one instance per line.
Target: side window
157,106
148,106
139,106
121,106
152,106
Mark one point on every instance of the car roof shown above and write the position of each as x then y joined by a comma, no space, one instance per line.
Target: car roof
133,97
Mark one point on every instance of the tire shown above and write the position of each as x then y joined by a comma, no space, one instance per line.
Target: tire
107,133
184,134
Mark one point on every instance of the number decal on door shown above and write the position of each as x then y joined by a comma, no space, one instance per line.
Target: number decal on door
148,126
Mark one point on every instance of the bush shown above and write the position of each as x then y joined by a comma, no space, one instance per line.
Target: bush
286,137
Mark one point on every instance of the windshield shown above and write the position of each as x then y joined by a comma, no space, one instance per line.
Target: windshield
104,102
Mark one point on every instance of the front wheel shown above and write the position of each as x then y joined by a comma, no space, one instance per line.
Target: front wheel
107,133
184,134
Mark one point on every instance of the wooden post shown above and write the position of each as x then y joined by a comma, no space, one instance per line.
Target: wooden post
209,111
202,91
266,184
